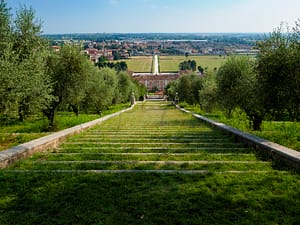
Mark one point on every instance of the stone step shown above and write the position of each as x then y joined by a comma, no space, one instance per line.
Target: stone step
153,149
169,144
148,171
210,165
173,162
151,153
160,140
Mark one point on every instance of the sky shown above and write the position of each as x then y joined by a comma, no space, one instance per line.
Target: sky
161,16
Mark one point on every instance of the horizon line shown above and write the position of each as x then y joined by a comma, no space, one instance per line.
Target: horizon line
157,33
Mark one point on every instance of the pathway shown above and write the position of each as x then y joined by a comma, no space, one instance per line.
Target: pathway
156,65
154,137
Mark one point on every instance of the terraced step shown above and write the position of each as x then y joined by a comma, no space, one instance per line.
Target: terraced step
151,165
152,137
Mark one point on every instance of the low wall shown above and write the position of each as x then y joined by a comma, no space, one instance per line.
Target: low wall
286,155
42,144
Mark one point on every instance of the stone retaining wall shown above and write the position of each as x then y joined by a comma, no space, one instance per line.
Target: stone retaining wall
11,155
286,155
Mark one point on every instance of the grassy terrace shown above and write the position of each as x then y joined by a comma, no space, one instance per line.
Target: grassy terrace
151,165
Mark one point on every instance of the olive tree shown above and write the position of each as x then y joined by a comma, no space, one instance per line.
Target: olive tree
101,90
279,73
25,87
238,87
208,93
69,72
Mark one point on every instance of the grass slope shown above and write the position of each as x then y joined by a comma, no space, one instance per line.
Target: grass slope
71,184
15,133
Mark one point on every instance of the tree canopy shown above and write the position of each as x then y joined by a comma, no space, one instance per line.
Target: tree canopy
35,80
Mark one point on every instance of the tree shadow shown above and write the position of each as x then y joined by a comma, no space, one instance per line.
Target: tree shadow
148,199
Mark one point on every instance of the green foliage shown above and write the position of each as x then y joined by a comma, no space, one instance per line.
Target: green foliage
208,94
25,88
187,88
101,90
200,69
237,87
118,66
69,71
281,132
27,31
188,65
116,55
5,28
279,74
124,88
14,132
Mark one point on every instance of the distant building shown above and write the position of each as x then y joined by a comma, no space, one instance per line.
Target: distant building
158,82
55,48
95,54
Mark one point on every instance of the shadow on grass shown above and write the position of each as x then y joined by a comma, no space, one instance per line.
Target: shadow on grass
148,199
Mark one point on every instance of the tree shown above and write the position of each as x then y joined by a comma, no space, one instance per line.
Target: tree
69,71
171,88
208,93
186,55
27,33
25,87
188,87
6,66
102,59
188,65
200,69
5,28
116,55
101,90
29,47
118,66
238,87
279,74
124,88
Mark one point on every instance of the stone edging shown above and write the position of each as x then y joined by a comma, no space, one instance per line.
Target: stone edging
11,155
278,152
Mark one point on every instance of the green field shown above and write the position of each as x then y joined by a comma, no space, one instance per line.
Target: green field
171,63
139,64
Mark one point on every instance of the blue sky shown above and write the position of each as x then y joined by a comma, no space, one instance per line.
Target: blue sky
130,16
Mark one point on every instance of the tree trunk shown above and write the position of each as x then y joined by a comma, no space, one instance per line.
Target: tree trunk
256,122
21,116
75,109
50,114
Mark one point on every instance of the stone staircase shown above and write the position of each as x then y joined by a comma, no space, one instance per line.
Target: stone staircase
154,138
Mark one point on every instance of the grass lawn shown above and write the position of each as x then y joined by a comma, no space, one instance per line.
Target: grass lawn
17,132
231,183
282,132
139,64
171,63
149,199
